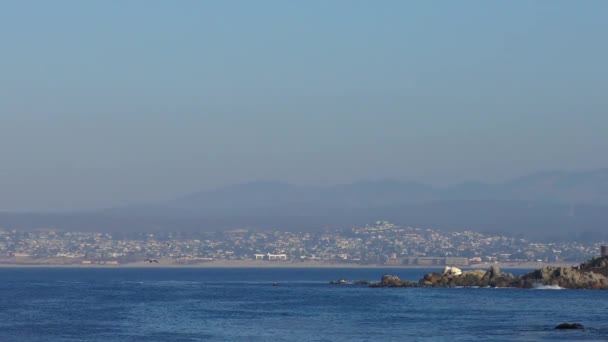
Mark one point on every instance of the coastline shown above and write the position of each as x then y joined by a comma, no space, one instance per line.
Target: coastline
171,263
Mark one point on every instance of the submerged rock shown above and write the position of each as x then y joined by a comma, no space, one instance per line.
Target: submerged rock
569,326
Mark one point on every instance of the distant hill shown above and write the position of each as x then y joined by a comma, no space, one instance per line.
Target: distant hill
588,188
556,204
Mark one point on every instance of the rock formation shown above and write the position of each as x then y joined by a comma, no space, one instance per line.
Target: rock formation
393,281
492,277
592,274
566,277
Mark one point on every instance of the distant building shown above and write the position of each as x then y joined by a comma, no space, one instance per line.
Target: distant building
454,261
276,256
475,260
269,256
604,251
436,261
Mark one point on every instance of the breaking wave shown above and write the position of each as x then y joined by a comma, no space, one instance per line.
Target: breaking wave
548,287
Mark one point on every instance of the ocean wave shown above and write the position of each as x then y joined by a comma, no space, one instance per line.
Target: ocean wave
547,287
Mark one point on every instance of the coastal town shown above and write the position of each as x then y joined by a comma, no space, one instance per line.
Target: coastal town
382,243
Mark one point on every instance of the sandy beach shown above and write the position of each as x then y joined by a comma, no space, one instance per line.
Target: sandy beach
172,263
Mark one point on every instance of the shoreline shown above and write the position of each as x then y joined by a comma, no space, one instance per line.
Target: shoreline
169,263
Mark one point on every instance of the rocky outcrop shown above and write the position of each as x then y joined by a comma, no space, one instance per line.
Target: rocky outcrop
566,277
393,281
595,265
472,278
569,326
492,277
592,274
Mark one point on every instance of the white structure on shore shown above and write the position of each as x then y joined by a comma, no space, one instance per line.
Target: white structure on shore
269,256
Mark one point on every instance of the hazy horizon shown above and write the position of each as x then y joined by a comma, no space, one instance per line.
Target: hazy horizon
113,103
267,188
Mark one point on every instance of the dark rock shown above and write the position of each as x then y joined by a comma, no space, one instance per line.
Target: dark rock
492,274
390,280
475,278
393,281
566,277
595,265
590,275
569,326
470,279
432,279
494,271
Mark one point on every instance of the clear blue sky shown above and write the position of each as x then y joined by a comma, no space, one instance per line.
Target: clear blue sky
104,103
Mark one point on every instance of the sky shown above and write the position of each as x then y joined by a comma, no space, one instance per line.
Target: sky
106,103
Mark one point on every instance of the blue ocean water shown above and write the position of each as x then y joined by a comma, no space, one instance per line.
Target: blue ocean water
51,305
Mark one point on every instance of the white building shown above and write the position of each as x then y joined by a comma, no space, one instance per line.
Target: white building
269,256
259,256
276,256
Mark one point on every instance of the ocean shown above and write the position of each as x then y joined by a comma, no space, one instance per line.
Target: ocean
232,304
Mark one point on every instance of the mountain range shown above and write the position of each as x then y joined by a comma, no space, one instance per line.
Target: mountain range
554,204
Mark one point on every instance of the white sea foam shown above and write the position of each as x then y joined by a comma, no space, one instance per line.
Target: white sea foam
548,287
